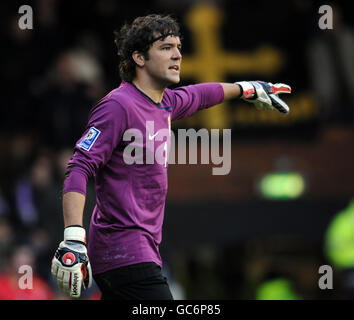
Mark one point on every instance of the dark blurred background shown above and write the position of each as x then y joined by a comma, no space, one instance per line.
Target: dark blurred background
260,232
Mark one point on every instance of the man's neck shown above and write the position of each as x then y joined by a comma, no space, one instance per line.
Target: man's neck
155,93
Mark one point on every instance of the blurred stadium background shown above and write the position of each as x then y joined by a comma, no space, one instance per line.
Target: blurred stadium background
260,232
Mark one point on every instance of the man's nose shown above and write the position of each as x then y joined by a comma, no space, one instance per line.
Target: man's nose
177,54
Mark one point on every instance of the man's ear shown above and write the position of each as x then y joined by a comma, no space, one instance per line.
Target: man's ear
139,58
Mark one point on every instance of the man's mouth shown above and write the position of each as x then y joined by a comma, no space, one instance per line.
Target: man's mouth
174,67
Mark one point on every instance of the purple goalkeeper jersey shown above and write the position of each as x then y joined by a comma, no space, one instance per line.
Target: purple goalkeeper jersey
124,148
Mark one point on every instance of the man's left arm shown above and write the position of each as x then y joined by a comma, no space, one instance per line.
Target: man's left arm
187,100
231,91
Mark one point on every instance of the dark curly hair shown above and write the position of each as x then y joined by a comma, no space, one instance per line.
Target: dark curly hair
139,36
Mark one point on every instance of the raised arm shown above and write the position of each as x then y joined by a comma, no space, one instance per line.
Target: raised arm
231,90
264,95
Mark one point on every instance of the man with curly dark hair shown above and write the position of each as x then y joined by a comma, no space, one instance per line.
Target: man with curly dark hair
138,37
126,224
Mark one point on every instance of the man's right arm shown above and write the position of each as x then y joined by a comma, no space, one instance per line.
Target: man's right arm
106,126
73,208
70,265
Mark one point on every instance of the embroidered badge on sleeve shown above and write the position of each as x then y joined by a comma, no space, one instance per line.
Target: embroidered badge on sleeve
89,139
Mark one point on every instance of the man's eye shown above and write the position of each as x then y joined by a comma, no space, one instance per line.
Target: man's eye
166,48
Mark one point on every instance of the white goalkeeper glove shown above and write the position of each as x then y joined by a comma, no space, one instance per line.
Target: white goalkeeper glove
264,95
70,266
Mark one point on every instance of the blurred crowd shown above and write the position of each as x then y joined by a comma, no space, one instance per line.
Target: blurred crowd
53,76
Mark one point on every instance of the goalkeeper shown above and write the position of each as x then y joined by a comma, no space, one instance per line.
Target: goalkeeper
126,223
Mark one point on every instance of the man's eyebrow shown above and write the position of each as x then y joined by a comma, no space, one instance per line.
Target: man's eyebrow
170,44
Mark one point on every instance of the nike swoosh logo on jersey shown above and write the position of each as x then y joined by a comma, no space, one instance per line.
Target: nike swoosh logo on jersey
151,137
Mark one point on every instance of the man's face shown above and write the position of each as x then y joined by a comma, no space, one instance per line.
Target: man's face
164,61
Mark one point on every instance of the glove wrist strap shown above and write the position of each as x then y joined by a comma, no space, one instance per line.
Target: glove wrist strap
247,89
75,233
